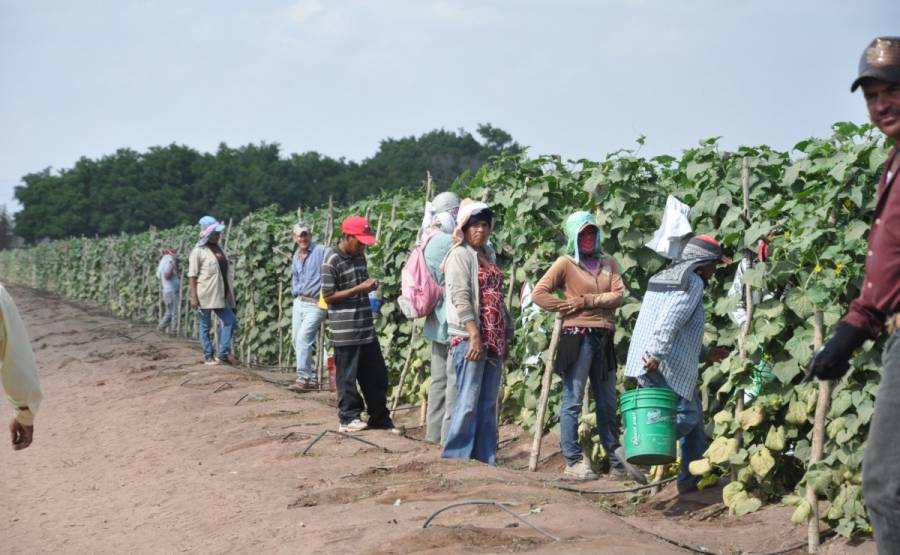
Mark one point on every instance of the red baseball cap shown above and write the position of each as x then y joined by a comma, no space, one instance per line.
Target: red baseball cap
358,227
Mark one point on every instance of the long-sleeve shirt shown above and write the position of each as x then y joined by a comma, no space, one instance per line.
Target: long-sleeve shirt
306,274
602,293
880,293
18,370
670,329
435,328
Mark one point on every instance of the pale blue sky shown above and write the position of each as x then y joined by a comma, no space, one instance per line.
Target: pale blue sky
576,78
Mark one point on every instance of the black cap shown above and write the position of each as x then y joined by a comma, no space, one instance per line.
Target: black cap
880,60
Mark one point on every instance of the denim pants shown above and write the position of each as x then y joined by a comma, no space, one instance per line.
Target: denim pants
688,426
363,364
227,324
441,394
881,461
169,320
305,320
605,400
472,433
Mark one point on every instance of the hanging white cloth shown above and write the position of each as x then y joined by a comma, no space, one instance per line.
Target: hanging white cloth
674,231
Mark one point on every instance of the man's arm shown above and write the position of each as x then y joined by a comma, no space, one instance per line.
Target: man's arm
18,373
333,295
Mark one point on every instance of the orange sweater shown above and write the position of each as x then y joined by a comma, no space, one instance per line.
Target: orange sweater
602,294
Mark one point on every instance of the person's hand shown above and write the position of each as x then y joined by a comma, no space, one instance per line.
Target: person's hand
21,435
195,302
650,363
476,348
365,287
717,354
571,306
833,360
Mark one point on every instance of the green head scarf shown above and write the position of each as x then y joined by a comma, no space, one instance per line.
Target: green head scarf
574,224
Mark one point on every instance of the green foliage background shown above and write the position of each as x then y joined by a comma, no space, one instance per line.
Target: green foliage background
816,206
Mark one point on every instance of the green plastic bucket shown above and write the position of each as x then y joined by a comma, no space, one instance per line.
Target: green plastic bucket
649,416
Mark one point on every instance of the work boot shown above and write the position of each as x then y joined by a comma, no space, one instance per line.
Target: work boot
579,471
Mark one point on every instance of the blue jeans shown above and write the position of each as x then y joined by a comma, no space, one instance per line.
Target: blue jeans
472,433
169,320
605,400
227,323
881,470
305,320
688,425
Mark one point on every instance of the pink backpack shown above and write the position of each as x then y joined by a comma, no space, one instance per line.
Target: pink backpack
419,292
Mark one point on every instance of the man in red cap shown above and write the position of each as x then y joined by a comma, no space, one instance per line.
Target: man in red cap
345,286
877,308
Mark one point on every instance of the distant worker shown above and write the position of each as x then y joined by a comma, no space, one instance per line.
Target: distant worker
212,290
593,289
306,268
877,308
346,286
667,342
480,331
170,284
18,372
438,240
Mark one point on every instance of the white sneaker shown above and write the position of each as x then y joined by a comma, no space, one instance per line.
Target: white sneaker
355,425
580,471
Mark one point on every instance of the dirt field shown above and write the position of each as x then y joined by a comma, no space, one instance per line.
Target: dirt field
139,448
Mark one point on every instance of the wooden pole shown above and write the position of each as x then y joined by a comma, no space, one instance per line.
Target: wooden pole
406,364
280,327
378,227
429,186
509,298
818,438
545,395
748,300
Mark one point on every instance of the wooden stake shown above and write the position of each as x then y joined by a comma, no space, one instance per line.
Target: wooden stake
378,227
429,186
748,301
545,395
406,364
280,327
818,438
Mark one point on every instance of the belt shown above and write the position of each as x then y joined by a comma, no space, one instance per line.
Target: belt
893,322
307,299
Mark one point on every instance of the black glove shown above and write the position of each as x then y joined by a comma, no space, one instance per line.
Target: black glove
833,360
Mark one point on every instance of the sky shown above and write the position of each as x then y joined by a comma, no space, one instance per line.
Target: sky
568,77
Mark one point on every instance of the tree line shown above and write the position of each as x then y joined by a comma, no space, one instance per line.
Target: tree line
175,184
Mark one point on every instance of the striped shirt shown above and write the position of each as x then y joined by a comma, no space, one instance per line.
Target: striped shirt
351,319
670,329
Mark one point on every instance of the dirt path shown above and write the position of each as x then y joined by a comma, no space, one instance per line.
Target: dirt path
141,449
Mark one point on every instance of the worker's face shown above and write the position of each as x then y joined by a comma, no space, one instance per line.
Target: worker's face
707,272
213,238
477,234
302,241
883,101
355,246
587,240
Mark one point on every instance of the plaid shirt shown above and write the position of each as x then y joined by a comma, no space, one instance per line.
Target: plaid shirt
670,329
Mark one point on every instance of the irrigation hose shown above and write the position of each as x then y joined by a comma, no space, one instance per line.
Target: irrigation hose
612,491
500,505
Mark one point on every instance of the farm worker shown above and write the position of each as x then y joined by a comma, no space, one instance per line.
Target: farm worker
345,286
442,391
877,308
306,316
212,290
593,289
667,342
480,330
18,372
170,284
